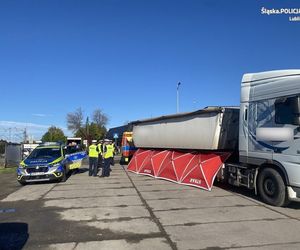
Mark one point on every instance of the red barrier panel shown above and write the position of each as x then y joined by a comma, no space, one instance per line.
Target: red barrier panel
193,168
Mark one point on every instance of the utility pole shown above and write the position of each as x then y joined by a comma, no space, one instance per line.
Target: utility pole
178,84
25,135
9,132
87,131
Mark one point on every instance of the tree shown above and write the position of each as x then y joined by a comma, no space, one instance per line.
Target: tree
91,132
54,134
100,118
2,146
94,130
75,120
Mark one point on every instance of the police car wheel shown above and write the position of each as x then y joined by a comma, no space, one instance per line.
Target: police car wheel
23,183
64,176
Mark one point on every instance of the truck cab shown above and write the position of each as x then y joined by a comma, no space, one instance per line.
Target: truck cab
269,134
128,148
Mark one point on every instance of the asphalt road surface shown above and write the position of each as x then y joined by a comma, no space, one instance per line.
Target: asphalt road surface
129,211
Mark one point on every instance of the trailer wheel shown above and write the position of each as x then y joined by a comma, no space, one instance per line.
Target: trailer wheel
271,188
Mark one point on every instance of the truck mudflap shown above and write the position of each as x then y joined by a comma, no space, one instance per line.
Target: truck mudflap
193,168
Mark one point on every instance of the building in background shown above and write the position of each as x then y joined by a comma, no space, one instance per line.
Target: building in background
116,133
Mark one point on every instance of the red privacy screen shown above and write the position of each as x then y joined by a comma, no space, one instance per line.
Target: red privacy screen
192,168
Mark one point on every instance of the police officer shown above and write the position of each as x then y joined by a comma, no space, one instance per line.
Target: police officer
115,152
112,159
100,156
108,156
93,159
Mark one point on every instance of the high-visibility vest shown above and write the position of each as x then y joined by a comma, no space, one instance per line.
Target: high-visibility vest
109,151
100,146
93,152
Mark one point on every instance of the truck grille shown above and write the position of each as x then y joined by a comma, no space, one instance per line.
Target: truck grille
35,170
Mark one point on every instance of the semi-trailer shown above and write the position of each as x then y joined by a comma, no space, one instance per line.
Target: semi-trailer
262,136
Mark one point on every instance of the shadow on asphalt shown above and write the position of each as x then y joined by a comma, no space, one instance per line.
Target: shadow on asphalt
80,171
13,235
250,194
9,184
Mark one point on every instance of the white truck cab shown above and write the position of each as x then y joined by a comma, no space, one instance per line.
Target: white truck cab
269,136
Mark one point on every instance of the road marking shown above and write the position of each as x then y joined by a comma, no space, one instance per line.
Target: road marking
7,210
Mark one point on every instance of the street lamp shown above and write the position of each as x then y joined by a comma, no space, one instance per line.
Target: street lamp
178,84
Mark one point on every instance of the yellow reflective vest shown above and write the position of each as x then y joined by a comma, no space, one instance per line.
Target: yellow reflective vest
109,151
93,151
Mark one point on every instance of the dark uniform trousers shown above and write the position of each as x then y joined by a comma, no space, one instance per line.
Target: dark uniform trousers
106,169
100,161
93,168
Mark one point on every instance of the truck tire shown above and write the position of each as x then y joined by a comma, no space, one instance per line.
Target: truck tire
271,188
122,161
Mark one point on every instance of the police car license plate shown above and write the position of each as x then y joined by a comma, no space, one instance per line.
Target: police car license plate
36,173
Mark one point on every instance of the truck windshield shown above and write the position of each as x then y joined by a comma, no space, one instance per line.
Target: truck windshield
45,153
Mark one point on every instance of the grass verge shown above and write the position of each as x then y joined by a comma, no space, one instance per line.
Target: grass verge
7,170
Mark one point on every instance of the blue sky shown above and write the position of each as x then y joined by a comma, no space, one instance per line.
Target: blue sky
126,56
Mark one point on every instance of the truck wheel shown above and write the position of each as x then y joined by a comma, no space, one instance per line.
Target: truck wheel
271,188
122,161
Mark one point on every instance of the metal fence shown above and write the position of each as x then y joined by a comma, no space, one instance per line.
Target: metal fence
2,160
12,156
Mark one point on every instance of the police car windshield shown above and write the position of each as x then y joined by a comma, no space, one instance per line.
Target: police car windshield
53,152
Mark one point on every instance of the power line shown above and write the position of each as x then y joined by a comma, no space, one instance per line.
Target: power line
14,134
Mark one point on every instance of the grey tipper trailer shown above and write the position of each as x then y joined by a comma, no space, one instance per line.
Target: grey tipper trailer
212,128
269,136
